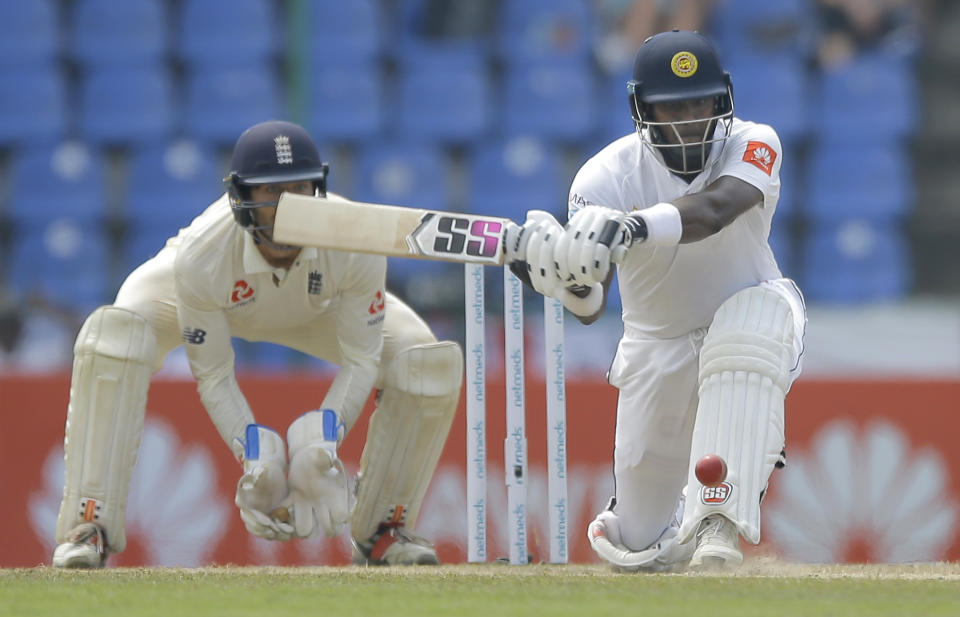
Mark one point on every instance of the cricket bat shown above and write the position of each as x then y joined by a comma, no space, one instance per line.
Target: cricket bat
338,223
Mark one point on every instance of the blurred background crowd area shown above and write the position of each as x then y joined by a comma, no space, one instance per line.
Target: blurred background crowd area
117,118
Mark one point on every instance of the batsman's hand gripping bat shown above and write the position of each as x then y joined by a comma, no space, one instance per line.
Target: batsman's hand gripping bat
342,224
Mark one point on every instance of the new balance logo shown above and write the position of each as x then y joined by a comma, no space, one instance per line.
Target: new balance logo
194,336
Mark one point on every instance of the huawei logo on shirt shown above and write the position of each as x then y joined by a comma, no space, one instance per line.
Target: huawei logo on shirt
242,293
760,155
376,309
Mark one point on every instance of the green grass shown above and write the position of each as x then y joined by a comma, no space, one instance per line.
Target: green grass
767,590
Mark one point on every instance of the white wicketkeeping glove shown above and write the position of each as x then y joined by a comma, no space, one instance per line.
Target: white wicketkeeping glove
533,244
583,254
263,485
319,495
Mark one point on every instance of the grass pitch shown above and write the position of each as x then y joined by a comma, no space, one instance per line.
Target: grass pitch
760,588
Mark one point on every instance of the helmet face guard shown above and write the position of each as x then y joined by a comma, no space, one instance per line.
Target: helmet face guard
679,155
680,66
272,152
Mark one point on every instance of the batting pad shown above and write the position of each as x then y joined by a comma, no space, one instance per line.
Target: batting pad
406,436
745,373
112,363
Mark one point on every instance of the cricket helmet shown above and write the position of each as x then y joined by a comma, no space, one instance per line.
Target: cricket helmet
674,66
271,153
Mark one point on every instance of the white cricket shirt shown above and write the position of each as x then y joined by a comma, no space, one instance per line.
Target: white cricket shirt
669,291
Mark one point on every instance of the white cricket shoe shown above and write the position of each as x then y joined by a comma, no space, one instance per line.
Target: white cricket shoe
394,546
86,548
718,545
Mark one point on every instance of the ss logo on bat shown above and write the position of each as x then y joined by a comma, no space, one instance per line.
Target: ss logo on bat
452,236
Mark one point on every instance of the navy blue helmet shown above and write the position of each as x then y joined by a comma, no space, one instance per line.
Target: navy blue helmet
676,66
270,153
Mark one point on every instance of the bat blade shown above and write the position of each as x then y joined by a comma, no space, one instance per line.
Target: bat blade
338,223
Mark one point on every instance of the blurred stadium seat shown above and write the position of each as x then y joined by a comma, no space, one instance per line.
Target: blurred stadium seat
222,103
871,99
126,105
546,30
442,104
551,100
57,205
445,36
509,177
409,174
62,181
346,102
855,261
168,185
29,36
867,181
106,32
33,107
774,92
227,33
66,261
759,28
349,32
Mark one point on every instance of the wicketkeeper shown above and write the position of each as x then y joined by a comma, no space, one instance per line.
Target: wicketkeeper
224,276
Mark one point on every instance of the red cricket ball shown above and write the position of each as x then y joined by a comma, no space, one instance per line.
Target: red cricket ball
711,470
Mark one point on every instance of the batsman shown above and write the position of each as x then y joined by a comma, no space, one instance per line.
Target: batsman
713,332
222,276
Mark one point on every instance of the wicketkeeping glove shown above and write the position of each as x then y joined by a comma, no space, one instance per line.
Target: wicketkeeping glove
319,495
263,485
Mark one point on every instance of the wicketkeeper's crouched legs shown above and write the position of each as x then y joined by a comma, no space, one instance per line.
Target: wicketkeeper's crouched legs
416,406
749,359
113,360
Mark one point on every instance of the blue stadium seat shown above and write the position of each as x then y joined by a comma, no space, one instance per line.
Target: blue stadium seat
772,92
443,104
169,184
459,39
868,181
871,99
126,105
222,103
756,28
57,182
400,173
856,261
550,100
106,32
32,106
509,177
227,33
28,33
546,30
409,175
65,261
346,31
346,102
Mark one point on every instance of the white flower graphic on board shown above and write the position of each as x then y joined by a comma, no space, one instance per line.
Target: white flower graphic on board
862,495
174,511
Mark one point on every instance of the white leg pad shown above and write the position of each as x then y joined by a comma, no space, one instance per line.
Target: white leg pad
747,364
406,436
113,360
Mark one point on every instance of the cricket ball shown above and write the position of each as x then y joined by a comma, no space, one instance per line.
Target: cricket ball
711,470
281,514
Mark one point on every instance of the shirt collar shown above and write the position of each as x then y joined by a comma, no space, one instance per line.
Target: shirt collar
254,263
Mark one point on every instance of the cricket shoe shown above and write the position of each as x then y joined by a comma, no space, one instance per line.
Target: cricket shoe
718,545
86,548
394,546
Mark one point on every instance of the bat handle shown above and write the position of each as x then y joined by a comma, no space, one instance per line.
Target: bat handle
619,253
